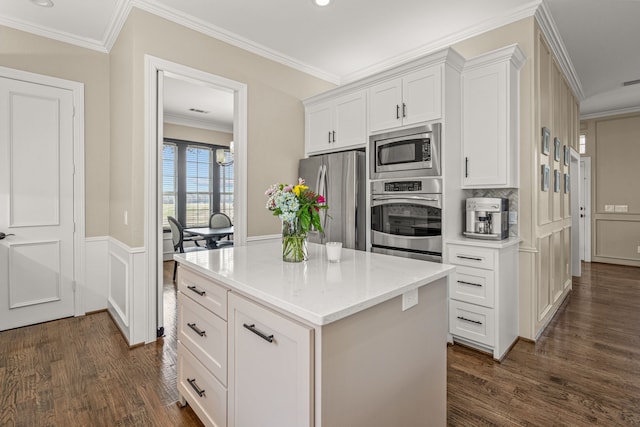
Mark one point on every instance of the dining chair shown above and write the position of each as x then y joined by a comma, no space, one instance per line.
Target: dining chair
178,238
221,220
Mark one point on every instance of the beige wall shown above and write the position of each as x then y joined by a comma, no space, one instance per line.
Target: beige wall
28,52
613,143
188,133
275,115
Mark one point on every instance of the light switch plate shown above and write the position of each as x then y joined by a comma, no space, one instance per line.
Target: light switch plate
409,299
513,217
609,208
621,208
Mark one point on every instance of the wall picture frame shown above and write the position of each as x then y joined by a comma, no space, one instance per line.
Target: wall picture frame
556,181
567,155
567,184
544,172
556,149
546,136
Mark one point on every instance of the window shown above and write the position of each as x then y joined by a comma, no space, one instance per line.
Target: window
169,182
582,144
193,184
199,185
226,187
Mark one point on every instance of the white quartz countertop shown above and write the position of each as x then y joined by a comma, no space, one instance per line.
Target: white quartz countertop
317,291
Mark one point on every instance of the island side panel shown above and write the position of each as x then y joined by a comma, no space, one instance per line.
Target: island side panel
387,367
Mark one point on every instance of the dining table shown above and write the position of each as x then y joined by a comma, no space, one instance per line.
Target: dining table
211,235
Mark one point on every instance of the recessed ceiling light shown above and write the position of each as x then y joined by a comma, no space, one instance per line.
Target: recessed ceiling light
321,2
197,110
43,3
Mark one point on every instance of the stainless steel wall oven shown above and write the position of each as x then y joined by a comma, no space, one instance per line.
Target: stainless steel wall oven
406,218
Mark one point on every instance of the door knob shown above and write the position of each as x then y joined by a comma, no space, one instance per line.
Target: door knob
3,235
581,215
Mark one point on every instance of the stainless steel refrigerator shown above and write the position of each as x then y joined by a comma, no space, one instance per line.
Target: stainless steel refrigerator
341,179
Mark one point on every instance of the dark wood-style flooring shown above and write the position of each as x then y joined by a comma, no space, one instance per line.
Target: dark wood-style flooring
584,370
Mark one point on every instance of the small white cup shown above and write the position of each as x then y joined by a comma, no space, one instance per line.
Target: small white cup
333,251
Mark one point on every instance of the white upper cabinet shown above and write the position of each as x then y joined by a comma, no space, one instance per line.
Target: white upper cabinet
336,124
414,98
490,114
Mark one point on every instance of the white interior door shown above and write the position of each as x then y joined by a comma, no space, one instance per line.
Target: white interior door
576,203
585,209
36,203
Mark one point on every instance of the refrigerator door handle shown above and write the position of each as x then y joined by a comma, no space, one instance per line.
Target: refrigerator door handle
323,192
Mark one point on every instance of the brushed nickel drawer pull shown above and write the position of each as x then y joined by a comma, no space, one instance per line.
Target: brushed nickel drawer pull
196,290
469,257
196,329
469,283
477,322
253,329
192,383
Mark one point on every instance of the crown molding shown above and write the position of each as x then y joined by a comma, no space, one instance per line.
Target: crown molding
231,38
608,113
122,10
550,30
177,119
525,11
49,33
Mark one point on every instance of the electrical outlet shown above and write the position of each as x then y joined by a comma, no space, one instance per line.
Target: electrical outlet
409,299
621,208
513,217
609,208
126,218
639,249
567,268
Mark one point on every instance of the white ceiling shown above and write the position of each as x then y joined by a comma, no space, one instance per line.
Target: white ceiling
350,39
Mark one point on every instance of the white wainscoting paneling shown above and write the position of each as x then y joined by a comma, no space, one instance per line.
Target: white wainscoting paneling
95,290
126,290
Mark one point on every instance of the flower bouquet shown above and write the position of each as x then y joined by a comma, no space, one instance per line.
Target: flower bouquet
299,210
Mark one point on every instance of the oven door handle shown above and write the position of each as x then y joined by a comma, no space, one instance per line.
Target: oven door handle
385,200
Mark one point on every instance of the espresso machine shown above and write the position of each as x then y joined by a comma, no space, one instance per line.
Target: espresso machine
487,218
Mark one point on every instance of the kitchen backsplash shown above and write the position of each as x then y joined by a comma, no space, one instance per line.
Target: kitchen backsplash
508,193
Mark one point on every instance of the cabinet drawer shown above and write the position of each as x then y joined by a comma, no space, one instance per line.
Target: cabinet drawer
204,334
473,285
472,322
472,256
205,394
204,291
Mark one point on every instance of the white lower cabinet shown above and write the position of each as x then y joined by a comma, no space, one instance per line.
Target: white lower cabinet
483,294
270,368
202,346
198,386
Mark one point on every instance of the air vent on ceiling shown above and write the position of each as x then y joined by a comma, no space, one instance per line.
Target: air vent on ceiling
631,82
196,110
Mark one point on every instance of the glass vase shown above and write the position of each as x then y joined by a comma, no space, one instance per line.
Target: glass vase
294,242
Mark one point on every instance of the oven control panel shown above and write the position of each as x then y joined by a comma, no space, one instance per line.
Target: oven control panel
402,186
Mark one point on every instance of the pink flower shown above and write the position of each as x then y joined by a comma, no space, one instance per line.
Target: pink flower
300,181
321,199
287,188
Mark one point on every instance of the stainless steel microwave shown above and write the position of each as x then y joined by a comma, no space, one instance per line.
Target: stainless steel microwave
406,153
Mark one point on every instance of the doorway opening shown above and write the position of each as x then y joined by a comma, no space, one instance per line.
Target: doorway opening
156,72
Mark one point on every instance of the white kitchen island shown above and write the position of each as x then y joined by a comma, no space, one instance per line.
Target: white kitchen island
265,343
